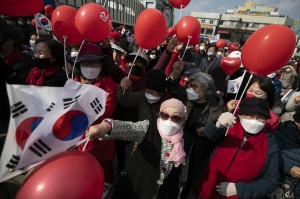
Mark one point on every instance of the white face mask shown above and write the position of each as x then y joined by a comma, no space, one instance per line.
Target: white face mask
29,22
202,48
168,127
20,23
288,70
90,73
152,56
158,48
252,126
32,43
151,99
191,94
74,54
219,53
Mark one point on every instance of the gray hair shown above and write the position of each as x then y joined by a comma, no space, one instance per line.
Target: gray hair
206,82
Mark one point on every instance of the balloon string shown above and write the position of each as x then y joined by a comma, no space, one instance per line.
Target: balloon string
240,85
104,3
132,66
240,100
76,58
66,69
86,144
186,47
180,12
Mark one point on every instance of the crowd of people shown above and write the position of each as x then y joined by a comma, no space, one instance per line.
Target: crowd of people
169,120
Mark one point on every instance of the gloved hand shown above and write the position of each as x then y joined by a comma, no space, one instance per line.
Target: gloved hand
225,120
227,189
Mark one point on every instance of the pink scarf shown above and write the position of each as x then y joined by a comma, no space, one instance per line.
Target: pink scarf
177,154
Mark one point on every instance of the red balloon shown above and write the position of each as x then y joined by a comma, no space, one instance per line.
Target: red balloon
230,65
93,21
179,3
49,9
67,175
228,45
221,43
63,24
188,27
149,20
259,55
171,31
21,7
194,41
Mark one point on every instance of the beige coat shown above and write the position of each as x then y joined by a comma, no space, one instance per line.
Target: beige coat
287,79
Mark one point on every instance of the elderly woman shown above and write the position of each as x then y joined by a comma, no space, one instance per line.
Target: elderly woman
160,161
292,104
48,61
245,163
287,77
203,105
92,68
263,88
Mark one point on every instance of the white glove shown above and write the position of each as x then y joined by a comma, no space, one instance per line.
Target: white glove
225,120
227,189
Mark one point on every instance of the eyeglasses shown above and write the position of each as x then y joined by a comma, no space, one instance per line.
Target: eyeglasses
166,116
194,86
94,63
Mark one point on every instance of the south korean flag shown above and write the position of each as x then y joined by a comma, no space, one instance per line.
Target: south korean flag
29,106
77,107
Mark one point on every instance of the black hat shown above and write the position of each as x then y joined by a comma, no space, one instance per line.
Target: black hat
156,80
254,105
192,71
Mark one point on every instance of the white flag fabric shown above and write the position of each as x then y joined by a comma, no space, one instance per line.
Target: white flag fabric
214,39
123,31
29,104
41,21
76,108
234,85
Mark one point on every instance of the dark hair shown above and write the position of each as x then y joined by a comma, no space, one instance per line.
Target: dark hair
30,34
188,57
9,31
104,71
265,85
296,115
46,36
56,49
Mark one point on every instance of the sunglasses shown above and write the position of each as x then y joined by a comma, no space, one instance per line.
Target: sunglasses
166,116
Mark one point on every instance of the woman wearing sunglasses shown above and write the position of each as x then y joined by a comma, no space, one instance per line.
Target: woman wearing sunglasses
161,159
203,105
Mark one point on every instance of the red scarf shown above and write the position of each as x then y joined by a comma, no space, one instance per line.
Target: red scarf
37,76
231,165
11,58
136,82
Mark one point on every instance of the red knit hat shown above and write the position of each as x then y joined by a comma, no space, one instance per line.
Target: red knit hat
114,35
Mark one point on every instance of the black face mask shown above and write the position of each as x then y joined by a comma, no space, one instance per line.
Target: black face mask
1,43
41,63
136,70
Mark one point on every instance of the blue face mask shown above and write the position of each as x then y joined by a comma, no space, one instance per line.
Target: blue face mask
210,54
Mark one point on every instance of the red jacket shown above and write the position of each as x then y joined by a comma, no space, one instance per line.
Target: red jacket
104,150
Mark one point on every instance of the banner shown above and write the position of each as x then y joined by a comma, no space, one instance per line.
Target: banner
77,107
215,38
29,106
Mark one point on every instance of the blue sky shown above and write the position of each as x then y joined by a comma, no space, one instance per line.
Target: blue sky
290,8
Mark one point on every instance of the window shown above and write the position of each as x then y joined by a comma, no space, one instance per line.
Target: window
202,20
211,21
112,4
121,7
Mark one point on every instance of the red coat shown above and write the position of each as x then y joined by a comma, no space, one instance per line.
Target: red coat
104,150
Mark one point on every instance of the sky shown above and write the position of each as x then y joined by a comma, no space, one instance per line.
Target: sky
285,7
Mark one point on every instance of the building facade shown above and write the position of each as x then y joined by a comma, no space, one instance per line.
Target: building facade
162,5
123,12
209,22
237,25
